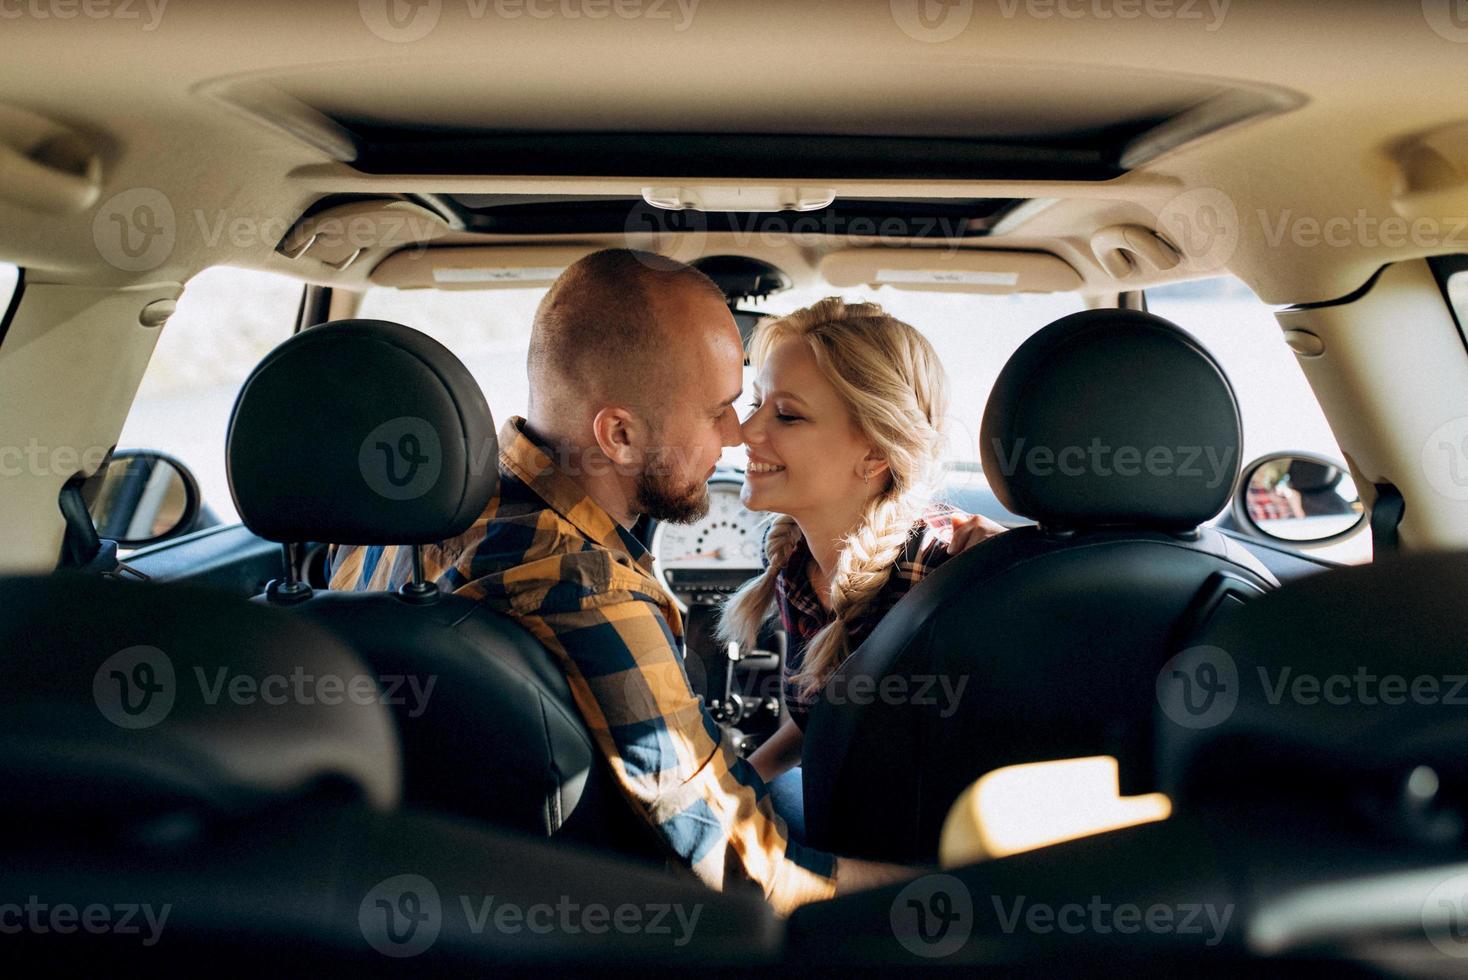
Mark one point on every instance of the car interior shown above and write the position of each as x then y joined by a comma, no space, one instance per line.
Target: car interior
1196,708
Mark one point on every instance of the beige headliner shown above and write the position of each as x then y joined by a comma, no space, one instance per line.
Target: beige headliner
144,98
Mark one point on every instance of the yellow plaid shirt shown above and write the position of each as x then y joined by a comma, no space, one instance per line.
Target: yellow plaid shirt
547,555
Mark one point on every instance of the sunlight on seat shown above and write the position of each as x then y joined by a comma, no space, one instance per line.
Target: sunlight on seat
1021,808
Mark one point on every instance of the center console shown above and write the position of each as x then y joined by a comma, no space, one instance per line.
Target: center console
741,687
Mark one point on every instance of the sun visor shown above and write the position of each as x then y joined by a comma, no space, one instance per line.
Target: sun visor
950,270
477,267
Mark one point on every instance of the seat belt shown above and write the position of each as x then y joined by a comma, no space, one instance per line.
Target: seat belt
1386,514
81,547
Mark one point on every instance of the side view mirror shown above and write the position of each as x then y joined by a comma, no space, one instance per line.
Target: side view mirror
145,497
1299,498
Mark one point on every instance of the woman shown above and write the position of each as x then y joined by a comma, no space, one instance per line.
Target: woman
844,442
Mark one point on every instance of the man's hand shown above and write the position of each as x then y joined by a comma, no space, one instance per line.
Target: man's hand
854,875
971,530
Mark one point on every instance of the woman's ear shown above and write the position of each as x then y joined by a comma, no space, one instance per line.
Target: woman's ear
873,466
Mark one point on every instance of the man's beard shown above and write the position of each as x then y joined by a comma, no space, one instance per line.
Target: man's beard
660,497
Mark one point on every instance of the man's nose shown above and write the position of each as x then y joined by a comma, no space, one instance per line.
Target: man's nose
733,434
750,432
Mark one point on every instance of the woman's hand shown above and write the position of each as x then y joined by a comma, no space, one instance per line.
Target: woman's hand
780,752
971,529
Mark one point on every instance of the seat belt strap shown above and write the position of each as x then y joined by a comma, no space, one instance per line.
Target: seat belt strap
1386,514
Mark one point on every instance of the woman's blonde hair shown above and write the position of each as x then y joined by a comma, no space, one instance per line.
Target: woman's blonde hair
889,378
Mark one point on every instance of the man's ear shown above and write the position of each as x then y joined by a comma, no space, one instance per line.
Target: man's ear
619,435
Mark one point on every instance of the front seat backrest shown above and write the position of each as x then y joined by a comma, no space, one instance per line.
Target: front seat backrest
365,432
1335,689
1119,435
195,784
127,705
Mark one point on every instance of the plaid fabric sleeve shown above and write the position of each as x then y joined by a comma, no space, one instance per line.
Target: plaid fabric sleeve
927,547
600,618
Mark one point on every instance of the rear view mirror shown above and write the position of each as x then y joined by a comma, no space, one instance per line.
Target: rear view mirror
1298,497
145,497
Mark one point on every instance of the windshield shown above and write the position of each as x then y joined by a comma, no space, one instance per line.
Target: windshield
973,335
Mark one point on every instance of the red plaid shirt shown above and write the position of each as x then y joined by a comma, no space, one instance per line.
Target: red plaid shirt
802,614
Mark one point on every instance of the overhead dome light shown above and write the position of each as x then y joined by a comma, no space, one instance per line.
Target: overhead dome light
736,197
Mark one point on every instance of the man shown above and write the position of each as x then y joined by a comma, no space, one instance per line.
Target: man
635,364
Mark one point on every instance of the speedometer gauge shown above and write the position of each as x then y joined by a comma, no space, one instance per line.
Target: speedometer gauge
728,539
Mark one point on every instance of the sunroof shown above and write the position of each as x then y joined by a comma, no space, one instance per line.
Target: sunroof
736,156
550,214
974,121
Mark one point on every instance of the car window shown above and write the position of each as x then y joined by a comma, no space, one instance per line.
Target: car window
1457,296
227,320
974,335
1279,409
489,330
9,279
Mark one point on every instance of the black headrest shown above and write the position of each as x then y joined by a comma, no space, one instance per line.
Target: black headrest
361,432
124,702
1112,417
1344,678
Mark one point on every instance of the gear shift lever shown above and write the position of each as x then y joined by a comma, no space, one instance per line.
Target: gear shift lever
729,709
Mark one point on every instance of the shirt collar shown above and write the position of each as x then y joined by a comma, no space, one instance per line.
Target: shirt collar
532,462
799,593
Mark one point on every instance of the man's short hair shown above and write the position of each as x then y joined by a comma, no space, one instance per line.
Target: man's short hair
596,330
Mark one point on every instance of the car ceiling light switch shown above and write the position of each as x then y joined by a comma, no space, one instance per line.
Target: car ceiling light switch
1125,250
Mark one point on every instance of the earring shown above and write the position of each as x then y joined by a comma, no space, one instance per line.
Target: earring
865,477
